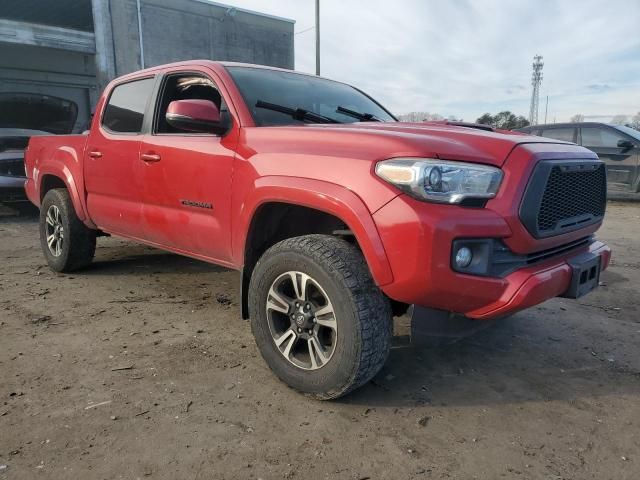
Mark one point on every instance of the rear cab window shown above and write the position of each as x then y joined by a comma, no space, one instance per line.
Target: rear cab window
124,112
34,111
565,134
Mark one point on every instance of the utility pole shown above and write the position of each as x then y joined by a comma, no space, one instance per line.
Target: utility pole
536,81
141,43
317,37
546,110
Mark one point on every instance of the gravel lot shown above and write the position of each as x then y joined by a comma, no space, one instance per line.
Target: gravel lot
140,367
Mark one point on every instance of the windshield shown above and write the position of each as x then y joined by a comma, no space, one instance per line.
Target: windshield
37,112
303,93
629,131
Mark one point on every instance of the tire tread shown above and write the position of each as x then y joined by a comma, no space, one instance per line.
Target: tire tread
82,240
373,311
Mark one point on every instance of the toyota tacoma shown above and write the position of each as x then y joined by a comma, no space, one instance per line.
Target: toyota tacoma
336,215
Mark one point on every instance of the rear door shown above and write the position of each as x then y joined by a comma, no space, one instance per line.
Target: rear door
187,179
114,174
622,164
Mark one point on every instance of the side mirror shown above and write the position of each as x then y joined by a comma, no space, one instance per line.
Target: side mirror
625,145
201,116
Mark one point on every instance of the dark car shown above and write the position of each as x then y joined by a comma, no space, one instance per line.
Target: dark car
23,115
618,146
12,173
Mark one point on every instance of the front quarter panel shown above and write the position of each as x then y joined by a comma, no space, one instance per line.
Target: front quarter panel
327,197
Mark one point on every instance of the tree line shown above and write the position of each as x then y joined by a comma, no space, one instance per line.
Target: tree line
509,121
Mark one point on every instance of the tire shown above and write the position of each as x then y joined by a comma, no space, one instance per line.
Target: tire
351,344
77,243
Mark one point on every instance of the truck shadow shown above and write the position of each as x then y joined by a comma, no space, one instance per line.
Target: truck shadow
142,260
517,360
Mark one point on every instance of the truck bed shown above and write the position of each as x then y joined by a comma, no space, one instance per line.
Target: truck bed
55,155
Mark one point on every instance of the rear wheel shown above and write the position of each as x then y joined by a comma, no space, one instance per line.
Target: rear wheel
66,242
319,320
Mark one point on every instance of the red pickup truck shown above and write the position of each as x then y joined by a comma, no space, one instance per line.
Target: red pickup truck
336,215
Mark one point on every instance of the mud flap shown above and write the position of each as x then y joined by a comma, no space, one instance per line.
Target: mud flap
429,324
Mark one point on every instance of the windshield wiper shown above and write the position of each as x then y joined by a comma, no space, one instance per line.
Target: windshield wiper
296,113
363,117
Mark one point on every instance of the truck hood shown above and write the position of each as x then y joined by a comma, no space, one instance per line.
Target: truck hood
377,141
344,154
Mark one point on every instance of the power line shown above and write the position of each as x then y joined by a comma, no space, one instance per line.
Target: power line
305,30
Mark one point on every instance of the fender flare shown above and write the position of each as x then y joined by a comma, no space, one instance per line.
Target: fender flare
58,166
323,196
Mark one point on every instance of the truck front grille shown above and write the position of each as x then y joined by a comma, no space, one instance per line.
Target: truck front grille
563,196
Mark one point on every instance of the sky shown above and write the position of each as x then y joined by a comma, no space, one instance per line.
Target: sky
467,57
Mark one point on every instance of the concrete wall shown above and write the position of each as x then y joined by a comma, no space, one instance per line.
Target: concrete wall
48,71
174,30
49,47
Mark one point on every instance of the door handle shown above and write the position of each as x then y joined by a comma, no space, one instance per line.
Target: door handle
95,154
150,157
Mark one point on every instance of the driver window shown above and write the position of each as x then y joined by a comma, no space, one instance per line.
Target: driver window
188,87
600,137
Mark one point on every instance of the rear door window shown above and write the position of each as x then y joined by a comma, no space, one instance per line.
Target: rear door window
124,112
564,134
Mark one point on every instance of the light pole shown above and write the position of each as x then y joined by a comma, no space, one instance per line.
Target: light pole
317,37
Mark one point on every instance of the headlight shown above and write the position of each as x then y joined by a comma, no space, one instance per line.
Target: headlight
440,181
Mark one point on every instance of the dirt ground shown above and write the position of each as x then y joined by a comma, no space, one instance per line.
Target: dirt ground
140,367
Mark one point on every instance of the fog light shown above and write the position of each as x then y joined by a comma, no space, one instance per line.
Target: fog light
463,257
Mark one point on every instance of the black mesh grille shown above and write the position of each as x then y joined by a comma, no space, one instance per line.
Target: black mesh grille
563,196
572,197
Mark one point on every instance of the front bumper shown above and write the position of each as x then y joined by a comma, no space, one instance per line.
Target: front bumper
12,188
417,238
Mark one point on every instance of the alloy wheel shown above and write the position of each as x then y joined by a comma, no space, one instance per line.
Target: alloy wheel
54,231
302,320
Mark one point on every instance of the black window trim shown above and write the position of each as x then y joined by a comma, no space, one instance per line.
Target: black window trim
159,92
143,127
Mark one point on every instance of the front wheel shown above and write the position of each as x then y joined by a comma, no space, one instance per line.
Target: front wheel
319,320
66,242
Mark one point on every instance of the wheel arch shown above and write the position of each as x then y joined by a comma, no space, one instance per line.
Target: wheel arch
61,167
54,178
323,207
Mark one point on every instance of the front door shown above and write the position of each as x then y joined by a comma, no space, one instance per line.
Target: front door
187,176
622,163
113,170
